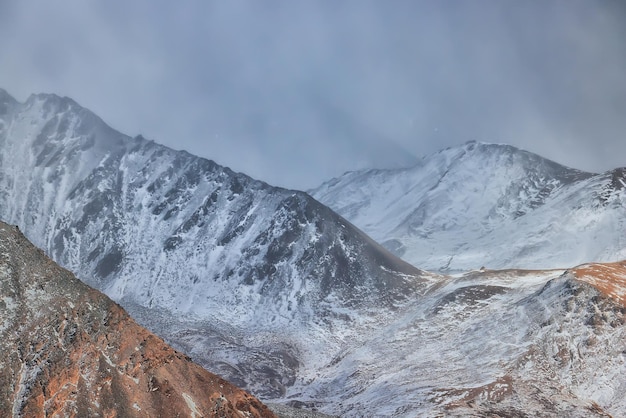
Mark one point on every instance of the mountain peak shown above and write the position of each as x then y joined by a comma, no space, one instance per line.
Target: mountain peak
6,97
513,154
54,102
446,212
490,146
498,157
6,101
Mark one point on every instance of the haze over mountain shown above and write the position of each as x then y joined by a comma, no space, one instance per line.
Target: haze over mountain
486,205
279,294
284,91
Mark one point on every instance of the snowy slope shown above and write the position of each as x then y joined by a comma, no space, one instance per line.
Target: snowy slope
276,292
486,204
194,243
492,343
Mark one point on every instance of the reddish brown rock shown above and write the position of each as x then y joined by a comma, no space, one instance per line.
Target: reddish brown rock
69,351
608,278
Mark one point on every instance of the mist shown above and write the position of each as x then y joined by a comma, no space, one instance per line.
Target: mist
295,93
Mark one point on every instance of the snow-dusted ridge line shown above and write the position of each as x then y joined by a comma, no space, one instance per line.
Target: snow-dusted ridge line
487,205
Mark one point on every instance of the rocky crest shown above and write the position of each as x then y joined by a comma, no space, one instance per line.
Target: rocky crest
608,278
71,351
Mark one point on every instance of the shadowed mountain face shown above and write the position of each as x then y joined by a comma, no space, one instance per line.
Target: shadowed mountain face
486,205
68,350
197,252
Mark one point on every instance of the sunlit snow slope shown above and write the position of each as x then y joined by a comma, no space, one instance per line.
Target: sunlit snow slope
486,204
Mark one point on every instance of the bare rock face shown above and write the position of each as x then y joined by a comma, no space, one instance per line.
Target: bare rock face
68,350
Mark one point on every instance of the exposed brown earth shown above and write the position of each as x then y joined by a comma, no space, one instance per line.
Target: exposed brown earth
608,278
69,351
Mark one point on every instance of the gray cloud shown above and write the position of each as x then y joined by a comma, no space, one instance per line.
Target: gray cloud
296,92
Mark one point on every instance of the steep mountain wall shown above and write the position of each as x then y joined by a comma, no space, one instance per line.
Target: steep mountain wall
197,252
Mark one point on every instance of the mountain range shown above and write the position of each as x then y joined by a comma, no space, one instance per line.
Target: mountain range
284,297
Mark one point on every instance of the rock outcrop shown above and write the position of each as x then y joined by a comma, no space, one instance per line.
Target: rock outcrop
68,350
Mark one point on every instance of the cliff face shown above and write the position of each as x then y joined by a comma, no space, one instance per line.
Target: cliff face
68,350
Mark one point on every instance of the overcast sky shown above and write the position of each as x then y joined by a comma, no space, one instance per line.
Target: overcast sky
295,92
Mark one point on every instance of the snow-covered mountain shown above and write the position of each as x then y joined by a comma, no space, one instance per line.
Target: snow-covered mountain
489,343
486,205
251,279
507,343
279,294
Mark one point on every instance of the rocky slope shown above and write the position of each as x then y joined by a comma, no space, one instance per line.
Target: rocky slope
255,282
486,205
68,350
507,343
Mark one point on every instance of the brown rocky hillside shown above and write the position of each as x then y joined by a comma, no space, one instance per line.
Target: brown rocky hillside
67,350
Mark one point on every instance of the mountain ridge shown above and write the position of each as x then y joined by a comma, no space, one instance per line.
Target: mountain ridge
160,229
279,294
446,212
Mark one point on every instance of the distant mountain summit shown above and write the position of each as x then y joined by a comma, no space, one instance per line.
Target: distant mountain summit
486,204
68,350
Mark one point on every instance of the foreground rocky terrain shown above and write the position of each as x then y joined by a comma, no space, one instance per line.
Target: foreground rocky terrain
492,343
68,350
